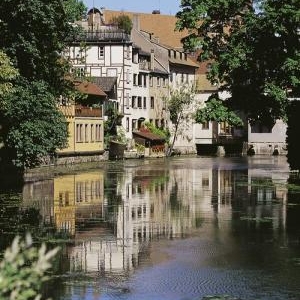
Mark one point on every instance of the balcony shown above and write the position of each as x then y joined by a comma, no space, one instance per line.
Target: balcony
82,111
144,65
102,35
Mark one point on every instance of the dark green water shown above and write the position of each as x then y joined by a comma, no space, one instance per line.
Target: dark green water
166,229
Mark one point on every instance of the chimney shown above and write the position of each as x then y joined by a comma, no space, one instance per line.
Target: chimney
136,22
152,60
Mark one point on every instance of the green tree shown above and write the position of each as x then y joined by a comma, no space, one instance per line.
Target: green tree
123,22
33,34
254,52
75,10
179,107
33,128
215,110
7,74
293,156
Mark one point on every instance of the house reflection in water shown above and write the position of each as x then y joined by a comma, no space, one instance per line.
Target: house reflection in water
113,224
78,199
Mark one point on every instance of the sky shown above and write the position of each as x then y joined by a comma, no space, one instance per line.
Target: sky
166,7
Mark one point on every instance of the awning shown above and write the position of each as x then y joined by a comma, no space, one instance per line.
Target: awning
89,88
148,136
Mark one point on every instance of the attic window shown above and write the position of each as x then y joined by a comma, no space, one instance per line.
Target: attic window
208,67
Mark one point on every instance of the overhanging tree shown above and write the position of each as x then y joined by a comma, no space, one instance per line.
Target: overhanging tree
33,34
254,52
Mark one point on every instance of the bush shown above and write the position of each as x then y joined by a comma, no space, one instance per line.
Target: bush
23,270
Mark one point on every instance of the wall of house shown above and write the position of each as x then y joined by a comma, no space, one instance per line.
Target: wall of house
85,133
267,142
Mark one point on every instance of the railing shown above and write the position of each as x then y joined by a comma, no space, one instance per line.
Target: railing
144,65
67,110
102,35
81,111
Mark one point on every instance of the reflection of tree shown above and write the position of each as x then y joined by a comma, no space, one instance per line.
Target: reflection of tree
293,207
111,194
174,203
16,221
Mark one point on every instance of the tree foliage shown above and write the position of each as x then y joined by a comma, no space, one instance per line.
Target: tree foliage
75,10
32,126
179,107
23,269
292,138
123,22
33,35
215,110
7,74
255,52
164,133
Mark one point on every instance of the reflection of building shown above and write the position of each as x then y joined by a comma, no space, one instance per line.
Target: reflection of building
68,201
113,224
39,194
77,198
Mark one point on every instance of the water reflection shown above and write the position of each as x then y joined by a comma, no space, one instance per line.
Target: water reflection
121,217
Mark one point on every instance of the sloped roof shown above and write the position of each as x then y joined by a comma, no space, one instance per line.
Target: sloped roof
106,83
89,88
148,135
187,62
161,26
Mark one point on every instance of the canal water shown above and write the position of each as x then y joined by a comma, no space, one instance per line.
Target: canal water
181,228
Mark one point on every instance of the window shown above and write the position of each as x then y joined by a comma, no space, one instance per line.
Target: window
127,124
140,79
135,79
134,124
205,125
133,101
205,182
101,52
208,67
78,71
127,52
158,81
225,128
145,102
151,80
145,80
139,104
164,82
127,100
152,102
98,132
128,76
86,131
79,133
258,127
92,138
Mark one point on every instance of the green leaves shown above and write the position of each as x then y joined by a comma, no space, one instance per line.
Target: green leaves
254,54
123,22
32,125
33,34
23,269
7,74
215,110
